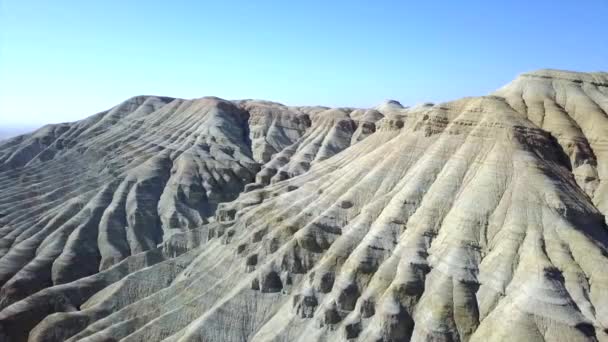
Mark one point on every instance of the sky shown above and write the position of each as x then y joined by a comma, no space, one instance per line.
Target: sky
65,60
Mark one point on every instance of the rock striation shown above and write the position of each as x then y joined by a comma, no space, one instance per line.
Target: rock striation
172,220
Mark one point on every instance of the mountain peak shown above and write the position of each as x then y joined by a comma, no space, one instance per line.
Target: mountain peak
565,75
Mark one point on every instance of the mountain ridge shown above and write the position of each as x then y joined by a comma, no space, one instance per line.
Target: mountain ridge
173,219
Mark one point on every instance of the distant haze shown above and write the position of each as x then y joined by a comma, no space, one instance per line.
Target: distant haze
9,132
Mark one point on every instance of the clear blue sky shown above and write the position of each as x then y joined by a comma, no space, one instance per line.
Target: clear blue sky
63,60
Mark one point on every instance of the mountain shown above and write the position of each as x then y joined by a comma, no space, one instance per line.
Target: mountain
167,219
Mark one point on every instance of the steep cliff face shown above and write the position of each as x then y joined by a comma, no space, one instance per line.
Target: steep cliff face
210,220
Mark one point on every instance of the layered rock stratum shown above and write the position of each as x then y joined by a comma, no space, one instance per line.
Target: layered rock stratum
167,219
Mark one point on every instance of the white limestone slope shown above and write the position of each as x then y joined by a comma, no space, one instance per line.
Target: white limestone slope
208,220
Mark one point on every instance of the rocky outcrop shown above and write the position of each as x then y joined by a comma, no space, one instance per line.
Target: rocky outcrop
209,220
